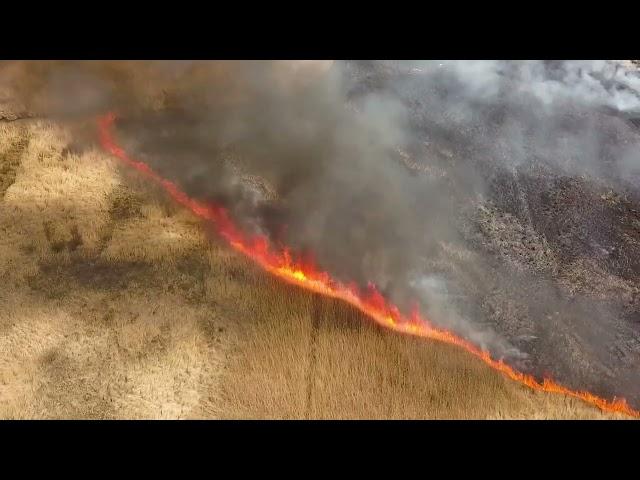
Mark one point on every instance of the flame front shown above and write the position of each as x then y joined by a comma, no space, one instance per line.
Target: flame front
306,275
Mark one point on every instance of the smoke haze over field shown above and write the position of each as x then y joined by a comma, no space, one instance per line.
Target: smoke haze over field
333,144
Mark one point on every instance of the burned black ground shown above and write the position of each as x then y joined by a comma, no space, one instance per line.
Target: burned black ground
552,243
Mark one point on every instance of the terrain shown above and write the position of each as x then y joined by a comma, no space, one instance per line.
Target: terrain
547,249
116,303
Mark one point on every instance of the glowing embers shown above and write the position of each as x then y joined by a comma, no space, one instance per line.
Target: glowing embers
305,274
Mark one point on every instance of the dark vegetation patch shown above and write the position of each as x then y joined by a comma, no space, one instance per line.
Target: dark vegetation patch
9,163
125,204
58,279
60,242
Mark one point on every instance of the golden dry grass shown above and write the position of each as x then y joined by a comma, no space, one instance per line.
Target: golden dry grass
115,304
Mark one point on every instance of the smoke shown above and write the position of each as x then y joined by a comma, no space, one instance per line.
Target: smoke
372,166
593,82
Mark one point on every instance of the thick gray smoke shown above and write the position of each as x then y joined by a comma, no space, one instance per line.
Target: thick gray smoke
372,166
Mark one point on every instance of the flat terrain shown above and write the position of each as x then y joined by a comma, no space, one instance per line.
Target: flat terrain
118,304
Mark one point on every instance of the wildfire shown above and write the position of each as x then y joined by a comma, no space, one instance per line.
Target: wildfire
306,275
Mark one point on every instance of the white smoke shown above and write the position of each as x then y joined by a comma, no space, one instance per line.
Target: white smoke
593,82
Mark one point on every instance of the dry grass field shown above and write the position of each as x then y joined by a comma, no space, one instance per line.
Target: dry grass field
114,303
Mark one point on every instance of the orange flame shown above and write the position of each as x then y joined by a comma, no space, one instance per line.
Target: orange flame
306,275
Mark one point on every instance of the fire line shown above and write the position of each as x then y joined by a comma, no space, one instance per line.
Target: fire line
305,274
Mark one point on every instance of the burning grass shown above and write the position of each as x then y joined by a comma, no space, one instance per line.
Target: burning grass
116,305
